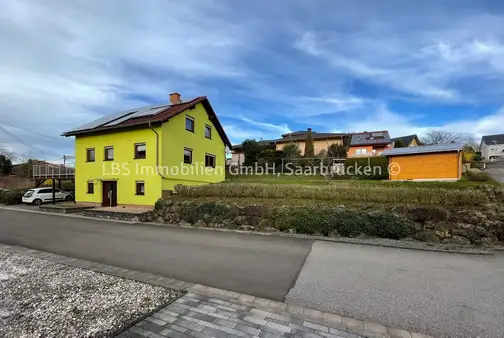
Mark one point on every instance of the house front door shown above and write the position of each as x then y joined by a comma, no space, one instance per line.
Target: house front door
109,198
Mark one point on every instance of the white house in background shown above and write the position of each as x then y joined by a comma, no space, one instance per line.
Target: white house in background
492,146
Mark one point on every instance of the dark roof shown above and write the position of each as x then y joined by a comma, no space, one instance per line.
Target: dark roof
370,138
406,139
489,139
435,148
295,136
141,117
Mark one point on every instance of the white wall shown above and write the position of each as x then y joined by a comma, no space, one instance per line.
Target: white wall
491,150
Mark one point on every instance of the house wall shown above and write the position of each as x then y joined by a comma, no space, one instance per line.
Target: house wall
492,150
124,169
438,166
318,145
352,151
237,158
175,138
413,143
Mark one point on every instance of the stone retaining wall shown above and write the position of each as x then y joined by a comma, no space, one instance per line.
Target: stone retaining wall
430,224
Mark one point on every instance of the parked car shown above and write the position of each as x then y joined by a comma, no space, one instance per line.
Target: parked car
42,195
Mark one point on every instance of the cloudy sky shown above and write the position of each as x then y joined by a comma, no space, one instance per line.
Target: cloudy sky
268,67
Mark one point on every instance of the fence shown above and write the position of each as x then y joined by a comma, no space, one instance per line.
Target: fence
52,171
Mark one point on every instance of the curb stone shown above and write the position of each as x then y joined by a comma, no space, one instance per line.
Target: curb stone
312,319
379,242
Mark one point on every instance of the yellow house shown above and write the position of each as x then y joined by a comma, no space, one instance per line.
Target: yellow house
133,157
320,142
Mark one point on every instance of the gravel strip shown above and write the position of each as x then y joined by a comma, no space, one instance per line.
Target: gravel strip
39,298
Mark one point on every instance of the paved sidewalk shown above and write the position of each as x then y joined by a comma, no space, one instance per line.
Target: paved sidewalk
195,315
209,312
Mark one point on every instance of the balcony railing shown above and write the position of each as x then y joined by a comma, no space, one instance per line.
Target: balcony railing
52,171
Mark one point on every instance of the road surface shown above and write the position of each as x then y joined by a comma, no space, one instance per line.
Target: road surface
266,266
444,295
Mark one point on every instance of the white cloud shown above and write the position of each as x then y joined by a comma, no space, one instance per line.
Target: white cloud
68,63
415,59
280,129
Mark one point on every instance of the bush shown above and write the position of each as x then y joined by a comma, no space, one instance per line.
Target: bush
348,223
11,197
208,212
341,193
478,175
378,167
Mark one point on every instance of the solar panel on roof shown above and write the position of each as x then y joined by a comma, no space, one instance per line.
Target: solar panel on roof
101,121
162,106
114,119
119,120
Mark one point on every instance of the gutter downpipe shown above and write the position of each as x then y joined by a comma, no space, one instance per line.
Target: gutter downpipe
157,150
459,165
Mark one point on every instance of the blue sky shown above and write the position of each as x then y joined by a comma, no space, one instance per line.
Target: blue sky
268,67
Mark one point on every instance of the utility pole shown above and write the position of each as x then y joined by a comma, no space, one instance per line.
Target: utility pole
65,157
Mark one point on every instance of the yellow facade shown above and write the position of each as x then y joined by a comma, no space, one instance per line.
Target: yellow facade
160,170
435,166
176,138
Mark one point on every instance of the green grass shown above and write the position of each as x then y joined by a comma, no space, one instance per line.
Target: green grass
320,180
343,193
273,179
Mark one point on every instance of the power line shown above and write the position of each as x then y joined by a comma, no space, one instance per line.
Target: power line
30,131
25,143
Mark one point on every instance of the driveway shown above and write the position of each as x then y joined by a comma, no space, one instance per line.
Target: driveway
445,295
496,170
264,266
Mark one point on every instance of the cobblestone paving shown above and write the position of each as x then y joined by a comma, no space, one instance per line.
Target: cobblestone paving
195,315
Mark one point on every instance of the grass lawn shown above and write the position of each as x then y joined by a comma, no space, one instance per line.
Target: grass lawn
320,180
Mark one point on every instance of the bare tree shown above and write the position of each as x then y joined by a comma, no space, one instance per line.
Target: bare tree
445,137
8,154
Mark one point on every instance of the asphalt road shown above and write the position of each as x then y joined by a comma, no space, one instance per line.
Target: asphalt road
496,170
258,265
445,295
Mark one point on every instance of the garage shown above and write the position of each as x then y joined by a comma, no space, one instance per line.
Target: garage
440,162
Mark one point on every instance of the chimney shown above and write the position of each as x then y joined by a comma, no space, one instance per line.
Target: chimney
175,98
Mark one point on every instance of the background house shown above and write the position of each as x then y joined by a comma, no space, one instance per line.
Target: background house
408,140
492,146
320,142
368,144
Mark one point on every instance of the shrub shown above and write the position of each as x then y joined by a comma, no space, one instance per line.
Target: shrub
209,212
478,175
159,205
378,167
11,197
341,193
347,222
